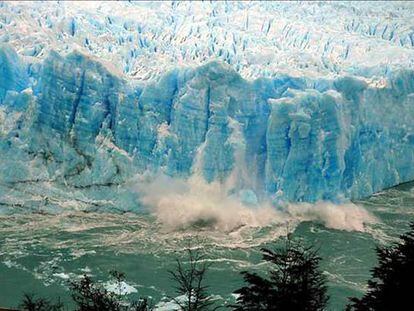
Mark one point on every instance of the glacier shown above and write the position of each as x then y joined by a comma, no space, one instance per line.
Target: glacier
301,110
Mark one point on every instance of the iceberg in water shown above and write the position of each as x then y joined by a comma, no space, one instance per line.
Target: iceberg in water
283,112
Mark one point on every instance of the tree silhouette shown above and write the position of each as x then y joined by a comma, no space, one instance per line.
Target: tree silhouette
190,278
143,304
295,282
31,303
391,286
119,277
90,297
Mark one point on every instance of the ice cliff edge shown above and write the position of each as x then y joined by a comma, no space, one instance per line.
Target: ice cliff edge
69,120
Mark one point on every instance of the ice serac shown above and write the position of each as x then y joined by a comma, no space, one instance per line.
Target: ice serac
12,73
144,39
72,122
353,140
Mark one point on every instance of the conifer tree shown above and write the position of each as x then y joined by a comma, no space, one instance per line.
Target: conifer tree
32,303
294,283
391,285
190,282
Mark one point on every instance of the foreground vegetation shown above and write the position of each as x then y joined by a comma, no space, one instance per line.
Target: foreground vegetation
294,282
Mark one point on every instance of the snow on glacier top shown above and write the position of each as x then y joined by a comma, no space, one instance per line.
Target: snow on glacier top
258,39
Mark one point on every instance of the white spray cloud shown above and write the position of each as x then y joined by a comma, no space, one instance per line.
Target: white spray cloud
178,203
348,216
229,205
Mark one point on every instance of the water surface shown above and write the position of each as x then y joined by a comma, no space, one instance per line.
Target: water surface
39,252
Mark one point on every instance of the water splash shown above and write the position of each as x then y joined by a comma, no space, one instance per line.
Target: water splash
232,204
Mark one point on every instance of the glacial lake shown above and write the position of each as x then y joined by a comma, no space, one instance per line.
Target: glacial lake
39,252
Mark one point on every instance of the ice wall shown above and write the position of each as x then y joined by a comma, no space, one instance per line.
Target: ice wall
71,120
354,139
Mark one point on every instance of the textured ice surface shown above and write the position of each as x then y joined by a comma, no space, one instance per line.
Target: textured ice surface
146,39
287,101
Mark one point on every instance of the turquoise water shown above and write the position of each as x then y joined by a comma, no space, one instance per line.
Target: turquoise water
38,252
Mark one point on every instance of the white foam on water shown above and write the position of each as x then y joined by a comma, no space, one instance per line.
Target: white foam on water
62,275
121,288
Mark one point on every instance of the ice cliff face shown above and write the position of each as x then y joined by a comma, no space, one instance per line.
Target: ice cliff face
71,122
